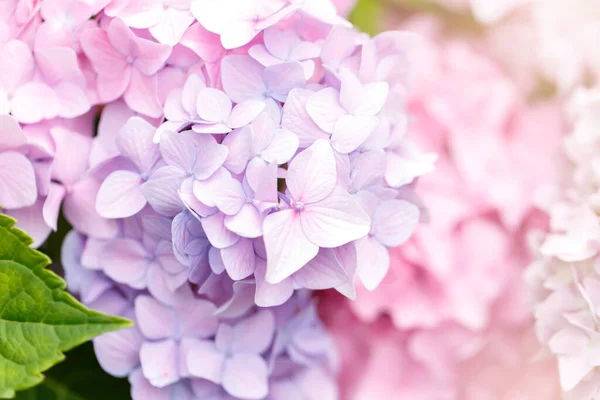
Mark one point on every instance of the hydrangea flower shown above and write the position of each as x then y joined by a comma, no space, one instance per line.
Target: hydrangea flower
564,279
227,178
454,291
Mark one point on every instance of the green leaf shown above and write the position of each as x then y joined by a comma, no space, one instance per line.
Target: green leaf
80,377
366,16
38,318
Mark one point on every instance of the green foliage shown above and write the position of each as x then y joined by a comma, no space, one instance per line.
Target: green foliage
79,377
38,319
366,16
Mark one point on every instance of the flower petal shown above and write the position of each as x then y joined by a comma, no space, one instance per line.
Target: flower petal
33,102
287,247
204,360
213,105
394,222
239,259
351,131
373,261
216,232
242,78
135,142
159,362
120,195
311,175
334,221
126,261
17,181
325,109
246,376
322,272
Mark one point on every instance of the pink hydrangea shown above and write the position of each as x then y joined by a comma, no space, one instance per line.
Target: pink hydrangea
454,291
564,278
246,154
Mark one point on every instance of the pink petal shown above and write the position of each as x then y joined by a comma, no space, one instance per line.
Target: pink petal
11,134
246,375
80,210
59,64
16,65
142,94
142,389
204,360
66,167
205,190
242,78
394,222
126,261
262,179
135,142
216,232
118,352
373,99
248,222
351,131
282,147
210,156
213,105
17,181
373,261
253,334
159,362
178,150
267,294
172,27
324,109
239,259
192,87
239,145
230,197
296,118
33,102
162,190
52,204
260,53
239,304
282,78
173,109
104,57
311,175
197,319
205,44
334,221
154,320
30,220
120,195
322,272
280,41
111,87
287,247
244,113
73,100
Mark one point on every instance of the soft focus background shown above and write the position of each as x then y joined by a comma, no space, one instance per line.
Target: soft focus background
453,319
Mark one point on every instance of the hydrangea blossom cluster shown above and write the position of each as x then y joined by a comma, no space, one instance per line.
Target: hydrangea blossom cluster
453,308
565,280
245,154
204,346
555,38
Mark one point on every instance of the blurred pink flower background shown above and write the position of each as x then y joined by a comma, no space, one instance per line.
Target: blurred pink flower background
453,317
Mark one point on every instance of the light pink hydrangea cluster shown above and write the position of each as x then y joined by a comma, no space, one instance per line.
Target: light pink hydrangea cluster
565,279
218,160
452,314
553,38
